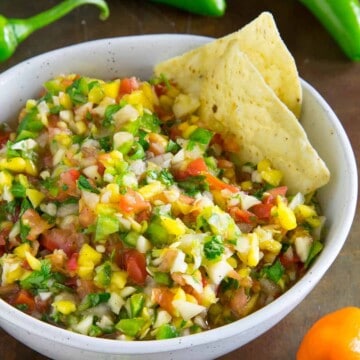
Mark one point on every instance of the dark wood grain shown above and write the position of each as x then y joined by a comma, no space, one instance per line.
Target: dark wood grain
319,61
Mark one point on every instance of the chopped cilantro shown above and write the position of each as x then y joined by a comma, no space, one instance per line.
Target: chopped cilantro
273,272
92,300
193,185
213,247
84,184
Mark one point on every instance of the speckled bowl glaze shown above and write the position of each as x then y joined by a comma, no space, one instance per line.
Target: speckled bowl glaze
126,56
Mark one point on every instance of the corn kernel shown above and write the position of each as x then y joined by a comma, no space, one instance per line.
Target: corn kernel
33,262
35,197
65,307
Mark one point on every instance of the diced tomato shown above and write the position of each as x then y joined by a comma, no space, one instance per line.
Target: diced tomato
67,240
164,297
23,297
243,216
143,216
196,167
160,89
115,249
72,263
128,85
4,137
67,184
217,184
270,198
85,287
35,222
133,203
135,265
101,168
262,211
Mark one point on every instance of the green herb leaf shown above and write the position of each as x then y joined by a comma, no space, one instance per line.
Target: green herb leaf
84,184
193,185
214,248
92,300
315,249
273,272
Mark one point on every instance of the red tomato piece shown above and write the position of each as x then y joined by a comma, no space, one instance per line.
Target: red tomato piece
72,263
23,297
196,167
135,265
164,297
217,184
243,216
63,239
128,85
262,211
35,222
133,202
4,137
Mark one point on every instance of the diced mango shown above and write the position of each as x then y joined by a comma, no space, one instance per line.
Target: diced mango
65,307
33,262
35,197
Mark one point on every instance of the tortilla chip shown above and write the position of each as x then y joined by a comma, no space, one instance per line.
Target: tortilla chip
235,100
261,42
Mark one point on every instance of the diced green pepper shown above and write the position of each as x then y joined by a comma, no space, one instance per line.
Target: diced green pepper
202,136
105,226
166,331
130,327
156,232
136,304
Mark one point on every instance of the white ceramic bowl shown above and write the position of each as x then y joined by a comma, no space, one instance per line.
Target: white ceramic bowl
126,56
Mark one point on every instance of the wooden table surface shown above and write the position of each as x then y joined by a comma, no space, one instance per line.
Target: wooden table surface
319,61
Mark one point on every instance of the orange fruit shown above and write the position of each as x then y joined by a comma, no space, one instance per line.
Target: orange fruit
335,336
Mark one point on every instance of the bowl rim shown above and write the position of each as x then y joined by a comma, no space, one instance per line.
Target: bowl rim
65,337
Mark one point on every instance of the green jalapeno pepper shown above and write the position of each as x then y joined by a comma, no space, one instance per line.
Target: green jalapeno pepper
201,7
342,20
14,31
